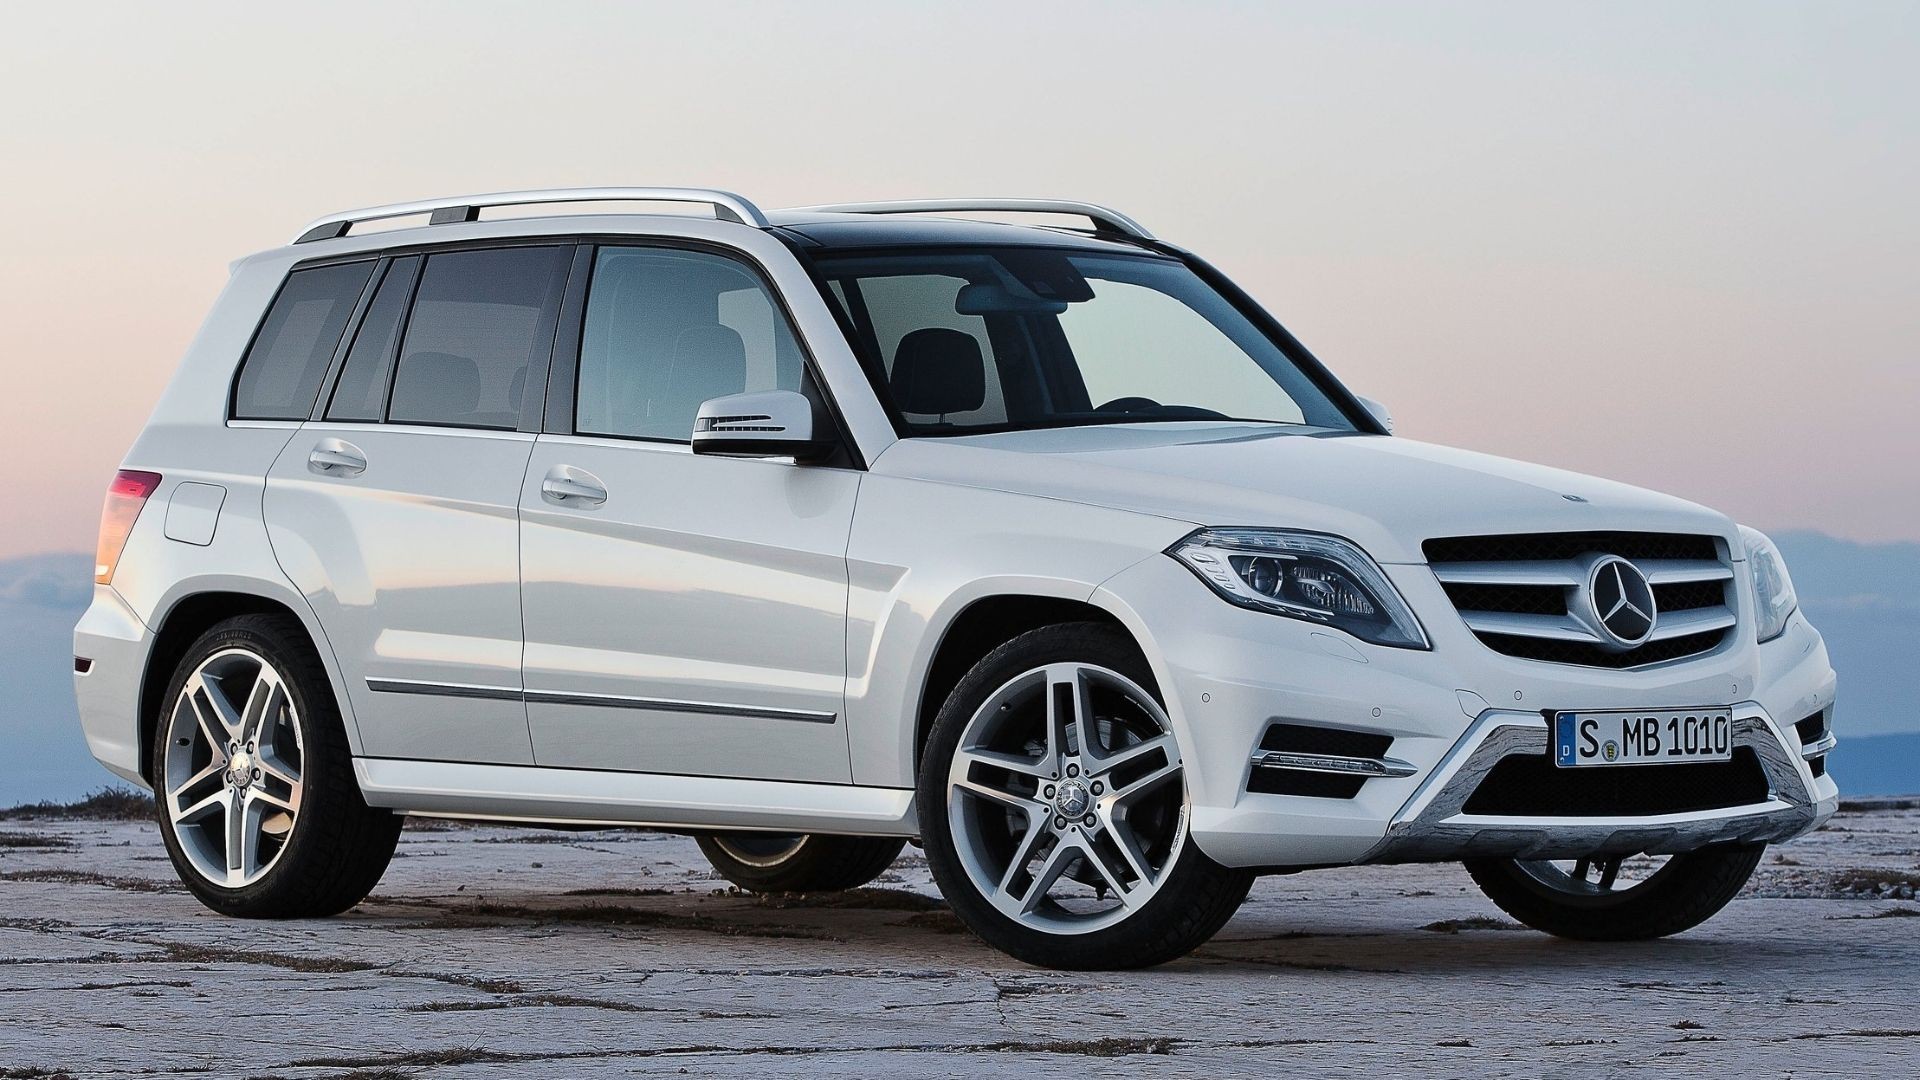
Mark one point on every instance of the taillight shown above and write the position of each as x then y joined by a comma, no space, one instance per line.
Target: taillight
125,497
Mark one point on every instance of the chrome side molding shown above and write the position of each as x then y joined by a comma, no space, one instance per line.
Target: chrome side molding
610,701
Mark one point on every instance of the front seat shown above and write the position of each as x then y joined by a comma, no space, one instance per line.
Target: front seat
708,362
938,371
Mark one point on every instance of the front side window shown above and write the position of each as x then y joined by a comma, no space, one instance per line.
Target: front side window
480,319
966,340
281,374
667,329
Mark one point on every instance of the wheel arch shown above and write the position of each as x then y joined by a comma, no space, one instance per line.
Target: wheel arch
984,624
191,611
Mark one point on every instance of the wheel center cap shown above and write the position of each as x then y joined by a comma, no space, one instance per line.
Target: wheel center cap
240,769
1072,800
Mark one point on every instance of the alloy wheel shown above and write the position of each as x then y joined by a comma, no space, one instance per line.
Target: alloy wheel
232,783
1067,798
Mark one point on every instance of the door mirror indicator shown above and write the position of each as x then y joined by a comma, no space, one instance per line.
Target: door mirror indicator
772,423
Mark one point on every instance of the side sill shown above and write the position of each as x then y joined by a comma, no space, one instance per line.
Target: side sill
532,794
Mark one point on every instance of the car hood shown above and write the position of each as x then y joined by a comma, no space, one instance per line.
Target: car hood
1385,493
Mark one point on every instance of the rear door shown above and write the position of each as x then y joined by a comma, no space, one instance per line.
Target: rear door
684,614
394,508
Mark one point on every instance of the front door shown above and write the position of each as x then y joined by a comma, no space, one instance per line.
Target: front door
684,614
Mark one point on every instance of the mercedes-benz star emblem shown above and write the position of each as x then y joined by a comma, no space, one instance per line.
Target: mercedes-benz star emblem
1619,602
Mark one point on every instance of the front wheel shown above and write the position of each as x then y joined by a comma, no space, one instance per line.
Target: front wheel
1618,897
1053,804
799,862
253,779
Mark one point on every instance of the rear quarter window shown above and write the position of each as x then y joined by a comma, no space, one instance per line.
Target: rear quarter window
281,374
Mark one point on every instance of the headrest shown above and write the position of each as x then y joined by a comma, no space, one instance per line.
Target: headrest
436,385
708,362
937,371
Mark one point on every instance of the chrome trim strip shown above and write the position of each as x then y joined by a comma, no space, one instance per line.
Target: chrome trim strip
727,206
1100,215
435,689
708,708
1515,624
1432,827
1567,574
611,701
1332,763
1822,745
1675,571
1673,624
1570,574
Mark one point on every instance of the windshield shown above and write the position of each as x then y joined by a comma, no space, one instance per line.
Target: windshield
964,340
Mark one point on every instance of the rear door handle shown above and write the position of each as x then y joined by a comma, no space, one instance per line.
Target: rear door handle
565,485
337,457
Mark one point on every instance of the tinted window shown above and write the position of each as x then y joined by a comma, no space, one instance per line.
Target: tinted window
479,320
666,330
361,393
282,372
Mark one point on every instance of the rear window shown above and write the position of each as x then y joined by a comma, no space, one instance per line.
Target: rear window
281,374
479,321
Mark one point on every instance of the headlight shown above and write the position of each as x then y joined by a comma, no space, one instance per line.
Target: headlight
1308,576
1772,588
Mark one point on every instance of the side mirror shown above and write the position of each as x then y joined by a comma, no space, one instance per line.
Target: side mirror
772,423
1379,413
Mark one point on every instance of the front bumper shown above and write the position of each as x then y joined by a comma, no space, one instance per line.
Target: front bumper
1434,826
1452,712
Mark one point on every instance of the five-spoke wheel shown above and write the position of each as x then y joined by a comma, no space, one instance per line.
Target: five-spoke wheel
232,767
1054,807
254,781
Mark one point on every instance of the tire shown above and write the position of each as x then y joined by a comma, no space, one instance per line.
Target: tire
318,858
977,796
1687,891
799,862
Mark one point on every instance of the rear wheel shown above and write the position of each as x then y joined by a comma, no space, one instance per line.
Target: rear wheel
254,783
1053,804
1618,897
799,862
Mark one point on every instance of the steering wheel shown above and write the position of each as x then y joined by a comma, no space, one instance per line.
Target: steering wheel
1129,405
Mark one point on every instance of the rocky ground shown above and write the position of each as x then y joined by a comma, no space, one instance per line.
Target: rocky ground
492,952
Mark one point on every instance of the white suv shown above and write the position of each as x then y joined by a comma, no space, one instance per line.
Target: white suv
818,531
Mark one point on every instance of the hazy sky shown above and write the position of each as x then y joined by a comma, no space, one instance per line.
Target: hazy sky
1678,245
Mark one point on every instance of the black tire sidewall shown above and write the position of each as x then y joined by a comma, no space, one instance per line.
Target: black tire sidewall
1183,914
1690,889
324,751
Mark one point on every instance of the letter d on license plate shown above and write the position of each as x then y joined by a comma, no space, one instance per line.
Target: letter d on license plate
1647,737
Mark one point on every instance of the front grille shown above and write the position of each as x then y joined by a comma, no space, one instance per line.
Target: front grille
1521,594
1531,785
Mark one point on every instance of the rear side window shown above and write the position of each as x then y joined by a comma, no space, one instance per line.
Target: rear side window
281,374
666,330
361,393
480,320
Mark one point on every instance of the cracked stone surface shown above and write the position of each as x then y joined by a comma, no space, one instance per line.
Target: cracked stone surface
494,952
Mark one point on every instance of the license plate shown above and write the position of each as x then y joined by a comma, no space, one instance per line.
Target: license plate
1646,737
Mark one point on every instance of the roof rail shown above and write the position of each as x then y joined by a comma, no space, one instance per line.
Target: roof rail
1104,219
726,206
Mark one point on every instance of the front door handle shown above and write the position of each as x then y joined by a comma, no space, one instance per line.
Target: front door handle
565,485
337,457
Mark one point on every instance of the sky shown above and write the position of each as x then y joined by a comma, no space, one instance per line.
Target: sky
1676,245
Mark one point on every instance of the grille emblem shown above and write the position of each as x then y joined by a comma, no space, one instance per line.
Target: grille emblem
1618,601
